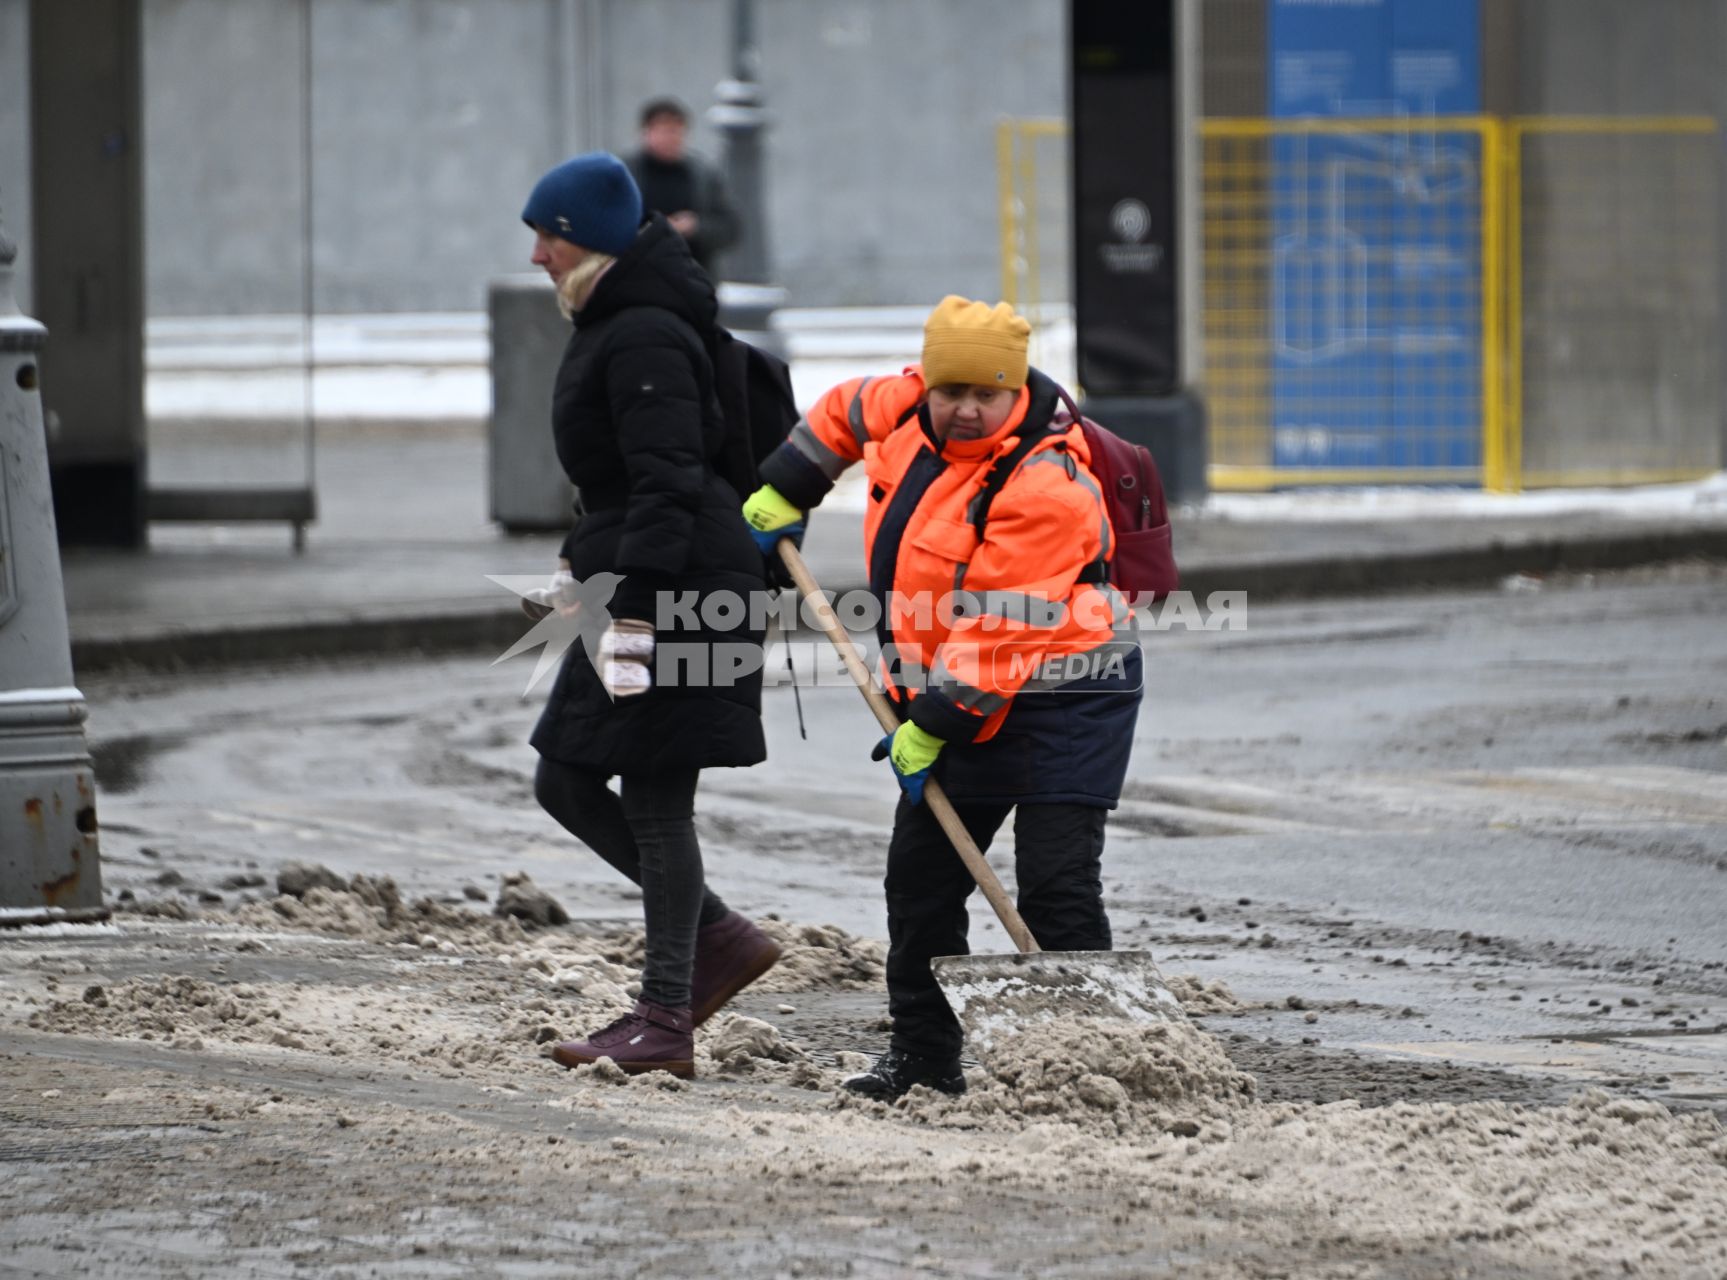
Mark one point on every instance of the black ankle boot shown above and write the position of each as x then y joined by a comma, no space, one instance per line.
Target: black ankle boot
896,1071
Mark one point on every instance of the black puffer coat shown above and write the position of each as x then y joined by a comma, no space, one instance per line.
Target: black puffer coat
638,429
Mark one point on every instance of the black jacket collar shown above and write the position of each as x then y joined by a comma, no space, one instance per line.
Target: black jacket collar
656,271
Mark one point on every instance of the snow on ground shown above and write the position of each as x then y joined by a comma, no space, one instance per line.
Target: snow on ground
1697,497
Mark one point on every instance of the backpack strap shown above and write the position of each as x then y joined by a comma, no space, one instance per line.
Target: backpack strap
1008,463
1002,469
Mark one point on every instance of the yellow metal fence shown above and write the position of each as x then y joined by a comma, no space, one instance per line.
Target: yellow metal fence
1470,300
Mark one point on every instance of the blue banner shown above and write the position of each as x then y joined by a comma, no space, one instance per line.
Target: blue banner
1376,236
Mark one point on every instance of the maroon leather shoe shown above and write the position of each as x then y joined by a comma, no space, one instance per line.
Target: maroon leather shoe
731,953
649,1037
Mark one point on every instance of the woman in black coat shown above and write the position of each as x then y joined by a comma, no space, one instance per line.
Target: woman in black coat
673,684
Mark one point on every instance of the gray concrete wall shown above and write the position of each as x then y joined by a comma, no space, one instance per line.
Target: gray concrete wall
1232,75
1624,273
1606,57
432,118
428,120
882,162
15,138
224,172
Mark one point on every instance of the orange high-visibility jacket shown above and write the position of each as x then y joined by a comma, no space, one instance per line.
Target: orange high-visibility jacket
971,623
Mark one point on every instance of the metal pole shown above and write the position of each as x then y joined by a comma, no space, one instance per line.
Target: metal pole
1006,195
594,82
1190,178
49,865
308,263
739,116
566,79
748,298
578,70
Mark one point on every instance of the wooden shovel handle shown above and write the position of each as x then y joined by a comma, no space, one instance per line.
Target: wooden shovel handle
810,590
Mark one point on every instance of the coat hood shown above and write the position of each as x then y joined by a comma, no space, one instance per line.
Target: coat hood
657,271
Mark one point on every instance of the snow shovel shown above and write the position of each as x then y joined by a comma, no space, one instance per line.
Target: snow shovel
993,995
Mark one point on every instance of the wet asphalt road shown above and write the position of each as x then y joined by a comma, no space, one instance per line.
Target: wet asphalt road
1484,830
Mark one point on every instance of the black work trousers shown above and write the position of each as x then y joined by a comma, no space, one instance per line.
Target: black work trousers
1058,854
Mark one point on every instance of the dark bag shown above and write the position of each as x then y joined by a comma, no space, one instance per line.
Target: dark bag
1142,561
755,393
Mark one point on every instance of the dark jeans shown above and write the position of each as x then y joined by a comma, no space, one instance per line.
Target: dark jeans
647,830
1058,853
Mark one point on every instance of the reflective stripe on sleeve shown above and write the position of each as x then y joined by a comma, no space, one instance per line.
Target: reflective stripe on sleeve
1015,606
804,439
855,415
978,701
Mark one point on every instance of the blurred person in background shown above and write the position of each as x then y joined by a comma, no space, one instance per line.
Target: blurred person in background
689,191
638,430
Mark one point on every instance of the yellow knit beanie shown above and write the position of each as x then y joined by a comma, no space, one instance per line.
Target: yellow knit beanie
973,342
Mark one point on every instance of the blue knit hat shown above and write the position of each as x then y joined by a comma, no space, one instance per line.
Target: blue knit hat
591,201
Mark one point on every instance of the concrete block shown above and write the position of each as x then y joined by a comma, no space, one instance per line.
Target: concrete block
529,490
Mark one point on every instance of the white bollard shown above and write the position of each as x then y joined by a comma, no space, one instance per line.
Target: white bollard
49,863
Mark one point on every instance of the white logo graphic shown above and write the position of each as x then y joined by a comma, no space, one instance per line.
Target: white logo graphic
1130,220
578,612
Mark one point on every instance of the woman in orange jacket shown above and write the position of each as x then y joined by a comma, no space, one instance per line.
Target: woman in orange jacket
1012,660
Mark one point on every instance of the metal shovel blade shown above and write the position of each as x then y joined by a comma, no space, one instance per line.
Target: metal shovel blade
996,995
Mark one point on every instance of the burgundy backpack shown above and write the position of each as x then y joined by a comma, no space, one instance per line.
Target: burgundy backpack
1142,560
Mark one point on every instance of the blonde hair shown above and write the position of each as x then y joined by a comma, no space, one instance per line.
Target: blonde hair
578,281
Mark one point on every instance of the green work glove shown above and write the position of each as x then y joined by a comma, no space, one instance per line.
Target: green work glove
911,751
770,518
766,511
